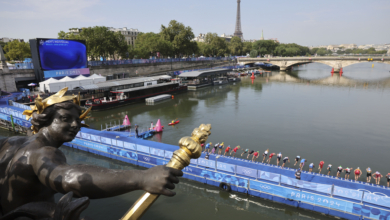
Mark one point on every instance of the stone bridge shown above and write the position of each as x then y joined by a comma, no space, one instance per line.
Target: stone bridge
335,62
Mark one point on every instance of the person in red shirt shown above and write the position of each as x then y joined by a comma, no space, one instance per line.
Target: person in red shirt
235,150
388,179
255,156
358,173
320,166
377,177
270,157
227,150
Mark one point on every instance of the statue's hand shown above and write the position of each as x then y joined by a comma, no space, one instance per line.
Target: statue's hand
159,179
66,209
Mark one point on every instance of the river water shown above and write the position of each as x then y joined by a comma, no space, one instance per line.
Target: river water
340,120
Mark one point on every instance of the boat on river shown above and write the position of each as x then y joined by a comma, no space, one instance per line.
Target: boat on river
116,93
220,81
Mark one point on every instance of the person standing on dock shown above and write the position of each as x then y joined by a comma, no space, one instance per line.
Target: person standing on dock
207,147
297,159
265,155
377,177
270,157
357,173
320,166
329,169
255,156
284,161
215,148
298,174
388,179
368,174
245,151
339,170
250,153
136,130
311,166
347,172
221,146
302,164
235,150
278,158
227,150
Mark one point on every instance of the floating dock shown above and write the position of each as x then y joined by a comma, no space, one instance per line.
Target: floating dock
158,98
329,195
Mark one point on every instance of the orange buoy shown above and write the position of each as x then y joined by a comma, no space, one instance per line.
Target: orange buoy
173,97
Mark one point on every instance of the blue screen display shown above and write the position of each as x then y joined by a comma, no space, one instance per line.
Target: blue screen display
58,54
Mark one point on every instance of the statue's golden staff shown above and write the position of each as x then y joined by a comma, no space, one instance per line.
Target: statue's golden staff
190,148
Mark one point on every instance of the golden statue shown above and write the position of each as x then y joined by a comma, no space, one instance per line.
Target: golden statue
190,148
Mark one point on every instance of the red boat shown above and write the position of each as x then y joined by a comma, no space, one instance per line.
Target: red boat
176,122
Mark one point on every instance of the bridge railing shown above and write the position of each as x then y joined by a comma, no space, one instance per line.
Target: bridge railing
18,66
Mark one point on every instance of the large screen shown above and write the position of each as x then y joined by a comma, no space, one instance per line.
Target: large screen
58,54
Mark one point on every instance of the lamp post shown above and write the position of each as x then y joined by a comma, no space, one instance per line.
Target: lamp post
216,161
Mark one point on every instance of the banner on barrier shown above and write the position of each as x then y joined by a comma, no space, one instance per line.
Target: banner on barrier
246,171
306,185
194,161
95,138
168,154
157,152
376,199
85,136
206,163
348,193
119,143
147,159
268,176
142,148
129,146
105,140
226,167
193,170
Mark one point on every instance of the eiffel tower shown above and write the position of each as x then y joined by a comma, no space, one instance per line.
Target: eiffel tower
238,31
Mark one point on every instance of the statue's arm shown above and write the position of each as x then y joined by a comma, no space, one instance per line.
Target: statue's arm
50,166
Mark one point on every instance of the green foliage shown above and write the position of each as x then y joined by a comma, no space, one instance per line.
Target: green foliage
253,53
265,46
363,51
16,50
179,37
291,50
148,44
215,45
247,47
100,41
236,46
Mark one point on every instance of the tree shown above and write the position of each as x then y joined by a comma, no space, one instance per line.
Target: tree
236,46
180,37
253,53
216,44
101,42
16,50
247,48
148,44
265,46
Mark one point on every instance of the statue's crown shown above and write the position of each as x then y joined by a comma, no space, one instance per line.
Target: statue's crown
59,97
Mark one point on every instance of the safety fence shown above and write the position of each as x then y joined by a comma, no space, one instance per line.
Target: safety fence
19,66
223,67
143,61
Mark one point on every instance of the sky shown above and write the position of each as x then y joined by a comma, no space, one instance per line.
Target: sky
305,22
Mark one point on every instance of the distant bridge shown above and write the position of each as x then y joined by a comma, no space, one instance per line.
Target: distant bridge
335,62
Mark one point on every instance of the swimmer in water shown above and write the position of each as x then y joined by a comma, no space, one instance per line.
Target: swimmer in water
320,166
235,150
255,156
377,177
297,159
265,155
311,166
329,169
284,161
245,151
250,153
278,158
221,146
347,172
270,157
368,174
357,173
227,150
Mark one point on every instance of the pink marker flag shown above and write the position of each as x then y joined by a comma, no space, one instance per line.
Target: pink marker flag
126,121
158,127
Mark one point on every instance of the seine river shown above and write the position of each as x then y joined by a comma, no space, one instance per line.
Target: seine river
340,120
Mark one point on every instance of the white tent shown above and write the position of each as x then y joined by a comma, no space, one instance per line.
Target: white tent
84,80
70,83
51,85
97,79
